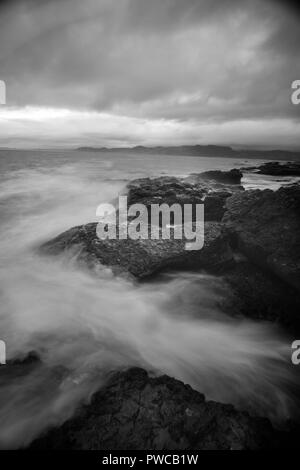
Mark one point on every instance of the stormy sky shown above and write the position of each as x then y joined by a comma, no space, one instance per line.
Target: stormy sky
151,72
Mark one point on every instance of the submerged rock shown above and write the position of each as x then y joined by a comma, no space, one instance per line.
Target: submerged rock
32,357
135,411
18,367
265,227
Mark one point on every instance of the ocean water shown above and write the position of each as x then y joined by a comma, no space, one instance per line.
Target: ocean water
84,327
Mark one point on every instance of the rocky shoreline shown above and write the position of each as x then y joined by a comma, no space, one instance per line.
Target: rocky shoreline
251,238
252,241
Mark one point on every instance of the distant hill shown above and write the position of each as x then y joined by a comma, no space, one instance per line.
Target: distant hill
202,151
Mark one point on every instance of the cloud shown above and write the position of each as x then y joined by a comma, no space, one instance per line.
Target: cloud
52,127
203,61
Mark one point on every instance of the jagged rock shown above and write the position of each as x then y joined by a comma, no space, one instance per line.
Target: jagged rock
190,190
165,189
212,187
134,411
265,226
142,258
184,190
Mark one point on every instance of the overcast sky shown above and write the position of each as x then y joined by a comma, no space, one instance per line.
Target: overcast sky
131,72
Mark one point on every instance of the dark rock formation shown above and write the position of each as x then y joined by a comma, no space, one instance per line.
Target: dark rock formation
134,411
214,205
165,189
265,227
226,177
279,169
262,225
259,295
211,187
142,258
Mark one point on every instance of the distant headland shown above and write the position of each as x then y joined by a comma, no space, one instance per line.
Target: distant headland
202,151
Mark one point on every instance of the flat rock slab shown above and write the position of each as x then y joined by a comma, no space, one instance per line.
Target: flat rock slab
142,258
134,411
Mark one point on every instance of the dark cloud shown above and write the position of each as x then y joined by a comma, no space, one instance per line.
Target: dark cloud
201,60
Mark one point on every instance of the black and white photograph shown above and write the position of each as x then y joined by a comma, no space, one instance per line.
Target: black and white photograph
150,228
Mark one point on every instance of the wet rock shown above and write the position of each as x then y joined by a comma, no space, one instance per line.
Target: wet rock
259,295
226,177
142,258
214,205
135,411
145,257
262,225
279,169
191,190
18,367
182,190
165,189
265,227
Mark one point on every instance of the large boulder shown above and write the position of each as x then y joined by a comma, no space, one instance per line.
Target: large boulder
144,257
265,226
135,411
